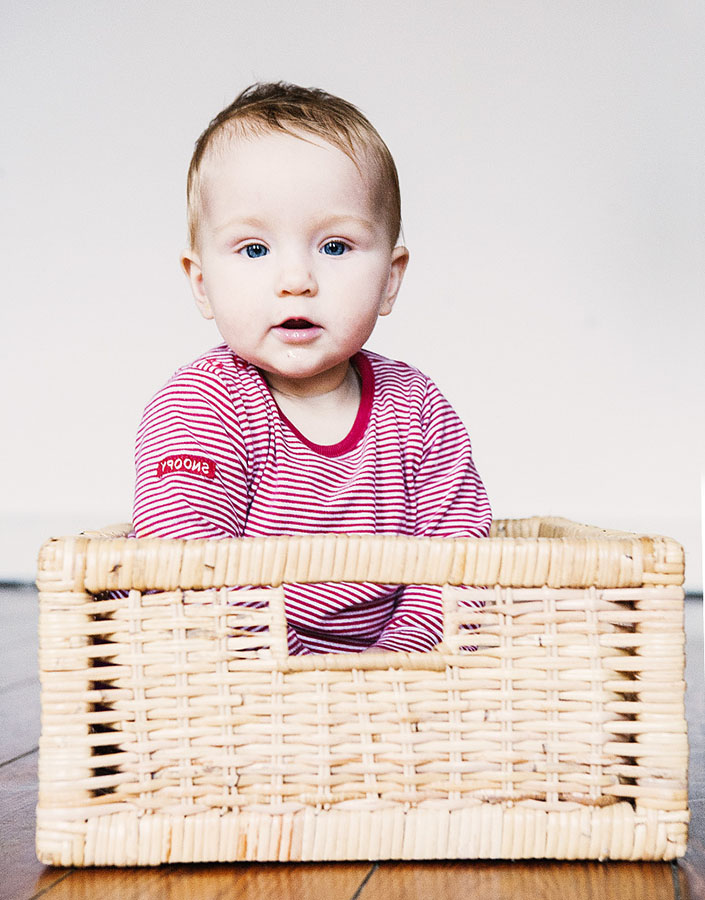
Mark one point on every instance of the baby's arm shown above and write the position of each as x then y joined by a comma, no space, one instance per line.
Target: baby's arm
451,502
191,465
190,461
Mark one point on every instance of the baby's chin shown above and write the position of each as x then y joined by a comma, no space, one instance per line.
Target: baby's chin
306,381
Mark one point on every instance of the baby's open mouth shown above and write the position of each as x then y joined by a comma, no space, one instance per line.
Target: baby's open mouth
297,323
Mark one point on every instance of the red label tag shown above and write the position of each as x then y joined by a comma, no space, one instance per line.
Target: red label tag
185,464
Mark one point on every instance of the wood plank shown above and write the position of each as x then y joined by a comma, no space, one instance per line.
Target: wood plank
22,875
19,705
510,881
19,681
281,881
302,881
691,869
19,614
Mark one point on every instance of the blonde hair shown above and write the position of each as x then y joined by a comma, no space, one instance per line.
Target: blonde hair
281,107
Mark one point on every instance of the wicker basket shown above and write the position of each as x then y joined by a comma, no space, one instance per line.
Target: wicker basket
175,727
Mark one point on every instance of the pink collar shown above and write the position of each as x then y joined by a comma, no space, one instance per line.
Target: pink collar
359,426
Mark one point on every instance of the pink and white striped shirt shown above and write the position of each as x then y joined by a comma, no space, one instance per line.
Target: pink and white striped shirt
216,458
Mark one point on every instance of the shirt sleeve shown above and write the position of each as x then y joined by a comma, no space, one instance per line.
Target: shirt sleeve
451,502
190,461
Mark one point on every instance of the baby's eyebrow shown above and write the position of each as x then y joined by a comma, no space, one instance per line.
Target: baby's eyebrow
246,222
332,223
335,221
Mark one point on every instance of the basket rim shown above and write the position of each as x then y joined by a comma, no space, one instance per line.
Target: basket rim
540,551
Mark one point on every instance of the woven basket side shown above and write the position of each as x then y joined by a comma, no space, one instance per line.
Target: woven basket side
663,560
182,715
520,553
486,831
175,726
66,753
167,565
62,564
521,528
123,564
661,734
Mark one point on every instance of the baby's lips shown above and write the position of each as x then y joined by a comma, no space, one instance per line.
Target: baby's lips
298,331
296,323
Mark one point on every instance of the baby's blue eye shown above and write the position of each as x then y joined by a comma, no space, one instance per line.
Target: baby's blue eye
255,251
334,248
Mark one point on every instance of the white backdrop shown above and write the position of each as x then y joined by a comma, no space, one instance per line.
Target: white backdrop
550,155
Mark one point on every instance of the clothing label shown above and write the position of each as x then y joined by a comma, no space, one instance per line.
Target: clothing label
186,465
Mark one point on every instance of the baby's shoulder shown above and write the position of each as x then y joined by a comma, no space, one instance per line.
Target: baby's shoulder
408,390
218,362
398,379
217,368
216,379
394,370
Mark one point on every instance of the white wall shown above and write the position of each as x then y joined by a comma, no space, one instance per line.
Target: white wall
550,155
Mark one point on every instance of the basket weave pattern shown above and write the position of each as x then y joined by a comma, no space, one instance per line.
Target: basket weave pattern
175,727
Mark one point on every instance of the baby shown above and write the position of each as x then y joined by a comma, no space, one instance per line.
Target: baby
289,426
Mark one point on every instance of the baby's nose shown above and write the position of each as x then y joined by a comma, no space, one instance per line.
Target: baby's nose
296,277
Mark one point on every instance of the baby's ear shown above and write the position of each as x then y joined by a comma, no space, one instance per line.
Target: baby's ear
191,264
400,260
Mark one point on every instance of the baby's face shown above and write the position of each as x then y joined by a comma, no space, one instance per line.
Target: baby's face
294,260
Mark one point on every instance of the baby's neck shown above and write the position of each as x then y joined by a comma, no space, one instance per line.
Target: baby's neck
324,417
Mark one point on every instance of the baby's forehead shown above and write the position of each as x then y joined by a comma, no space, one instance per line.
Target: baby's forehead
234,135
265,165
266,150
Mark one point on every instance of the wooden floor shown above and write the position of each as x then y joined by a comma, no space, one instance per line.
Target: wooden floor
22,877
